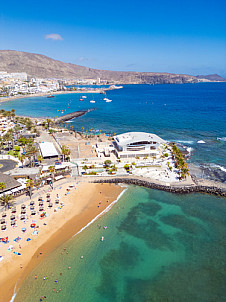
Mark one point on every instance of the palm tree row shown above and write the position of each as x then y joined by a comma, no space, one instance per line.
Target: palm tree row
180,163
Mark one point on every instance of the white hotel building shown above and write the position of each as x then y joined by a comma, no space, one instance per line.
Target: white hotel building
136,144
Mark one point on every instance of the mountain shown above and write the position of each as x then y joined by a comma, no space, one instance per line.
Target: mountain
36,65
212,78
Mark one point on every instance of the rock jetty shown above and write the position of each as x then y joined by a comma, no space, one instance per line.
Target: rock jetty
172,189
72,115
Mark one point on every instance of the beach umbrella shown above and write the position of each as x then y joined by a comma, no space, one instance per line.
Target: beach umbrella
24,230
33,225
13,222
48,196
33,212
12,217
56,201
13,210
23,206
50,205
22,217
4,215
2,221
23,211
48,200
41,208
40,199
32,203
32,208
3,227
40,203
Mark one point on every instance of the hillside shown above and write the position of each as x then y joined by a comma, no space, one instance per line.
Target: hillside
36,65
212,78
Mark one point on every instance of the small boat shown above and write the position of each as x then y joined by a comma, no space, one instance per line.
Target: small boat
107,100
81,100
102,238
84,97
105,227
50,96
92,101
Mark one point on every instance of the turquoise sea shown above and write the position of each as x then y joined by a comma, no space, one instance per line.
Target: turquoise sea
157,247
187,114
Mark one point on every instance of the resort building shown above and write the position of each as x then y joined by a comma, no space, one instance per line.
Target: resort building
136,144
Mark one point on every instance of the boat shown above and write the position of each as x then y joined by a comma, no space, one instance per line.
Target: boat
92,101
81,100
108,101
105,99
102,238
84,97
50,96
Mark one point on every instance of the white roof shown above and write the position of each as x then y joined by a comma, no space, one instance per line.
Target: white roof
48,149
132,137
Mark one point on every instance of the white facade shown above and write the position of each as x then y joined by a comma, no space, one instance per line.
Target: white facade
136,144
48,150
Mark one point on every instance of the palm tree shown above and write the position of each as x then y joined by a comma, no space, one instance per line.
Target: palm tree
30,185
31,151
49,122
65,151
2,186
21,158
52,170
40,158
7,200
82,130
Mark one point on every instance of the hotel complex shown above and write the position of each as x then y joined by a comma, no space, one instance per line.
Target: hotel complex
136,144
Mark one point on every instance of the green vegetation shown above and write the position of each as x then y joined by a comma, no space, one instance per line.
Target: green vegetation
180,163
7,200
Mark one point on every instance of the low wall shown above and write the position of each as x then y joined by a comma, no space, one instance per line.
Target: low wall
173,189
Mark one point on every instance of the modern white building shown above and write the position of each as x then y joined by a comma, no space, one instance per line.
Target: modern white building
136,144
48,150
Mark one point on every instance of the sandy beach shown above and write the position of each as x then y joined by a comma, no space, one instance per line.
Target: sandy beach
7,99
74,206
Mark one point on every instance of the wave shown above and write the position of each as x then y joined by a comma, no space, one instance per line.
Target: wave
185,142
103,212
14,294
218,167
221,139
201,142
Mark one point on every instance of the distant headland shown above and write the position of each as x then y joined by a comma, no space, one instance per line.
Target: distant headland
40,66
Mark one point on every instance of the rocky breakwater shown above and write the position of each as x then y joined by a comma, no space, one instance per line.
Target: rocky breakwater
72,115
179,189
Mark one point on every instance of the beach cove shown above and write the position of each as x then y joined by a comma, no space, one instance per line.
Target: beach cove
157,246
85,202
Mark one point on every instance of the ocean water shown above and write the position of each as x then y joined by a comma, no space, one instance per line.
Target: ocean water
157,247
188,114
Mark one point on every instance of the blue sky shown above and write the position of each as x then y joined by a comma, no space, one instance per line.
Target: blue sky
165,36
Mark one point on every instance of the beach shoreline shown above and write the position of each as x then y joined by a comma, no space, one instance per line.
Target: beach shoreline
7,99
91,201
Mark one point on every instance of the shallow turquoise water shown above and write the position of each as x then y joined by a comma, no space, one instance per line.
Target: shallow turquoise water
158,247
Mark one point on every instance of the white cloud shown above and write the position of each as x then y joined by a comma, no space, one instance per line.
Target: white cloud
53,37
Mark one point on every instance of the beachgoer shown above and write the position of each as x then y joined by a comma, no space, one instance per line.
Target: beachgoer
36,276
67,252
21,266
69,267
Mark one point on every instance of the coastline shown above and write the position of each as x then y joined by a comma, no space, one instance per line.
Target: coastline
70,222
7,99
